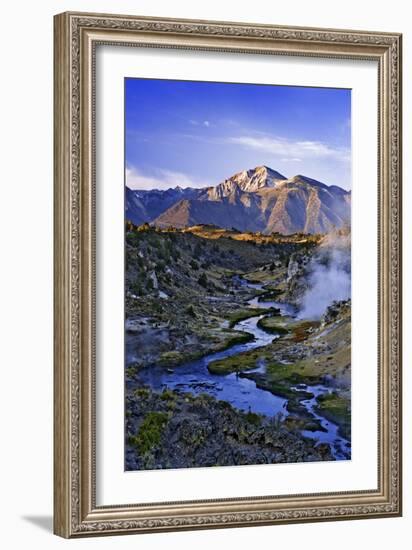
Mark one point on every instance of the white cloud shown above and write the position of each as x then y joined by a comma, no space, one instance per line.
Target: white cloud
163,179
205,123
287,148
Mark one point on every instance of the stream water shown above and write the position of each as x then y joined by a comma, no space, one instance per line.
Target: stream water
241,392
195,377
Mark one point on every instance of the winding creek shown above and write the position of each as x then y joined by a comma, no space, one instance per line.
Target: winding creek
241,392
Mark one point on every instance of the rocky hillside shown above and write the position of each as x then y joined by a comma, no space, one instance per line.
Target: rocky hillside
179,287
259,199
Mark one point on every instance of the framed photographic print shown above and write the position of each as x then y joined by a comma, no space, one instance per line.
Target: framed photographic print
227,274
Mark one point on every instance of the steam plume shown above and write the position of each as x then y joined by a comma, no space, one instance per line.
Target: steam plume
329,275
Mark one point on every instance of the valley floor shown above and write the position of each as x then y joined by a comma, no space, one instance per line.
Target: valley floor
220,369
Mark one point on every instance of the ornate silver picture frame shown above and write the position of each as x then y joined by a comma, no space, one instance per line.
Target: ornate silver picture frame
77,512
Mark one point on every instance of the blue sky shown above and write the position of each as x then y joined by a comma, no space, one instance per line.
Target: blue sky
200,133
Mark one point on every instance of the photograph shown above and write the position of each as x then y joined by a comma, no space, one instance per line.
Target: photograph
237,274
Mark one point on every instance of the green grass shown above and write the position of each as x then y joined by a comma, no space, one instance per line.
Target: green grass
281,387
238,338
242,314
273,325
237,363
296,423
219,341
269,296
276,372
150,432
336,408
171,358
296,373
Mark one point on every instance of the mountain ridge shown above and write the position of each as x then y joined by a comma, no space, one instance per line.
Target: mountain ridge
258,199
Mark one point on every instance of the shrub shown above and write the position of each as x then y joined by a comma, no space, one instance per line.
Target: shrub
253,418
161,265
150,432
202,280
190,311
132,239
197,251
167,395
137,288
141,393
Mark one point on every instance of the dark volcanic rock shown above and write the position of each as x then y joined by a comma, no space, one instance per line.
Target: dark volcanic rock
201,431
